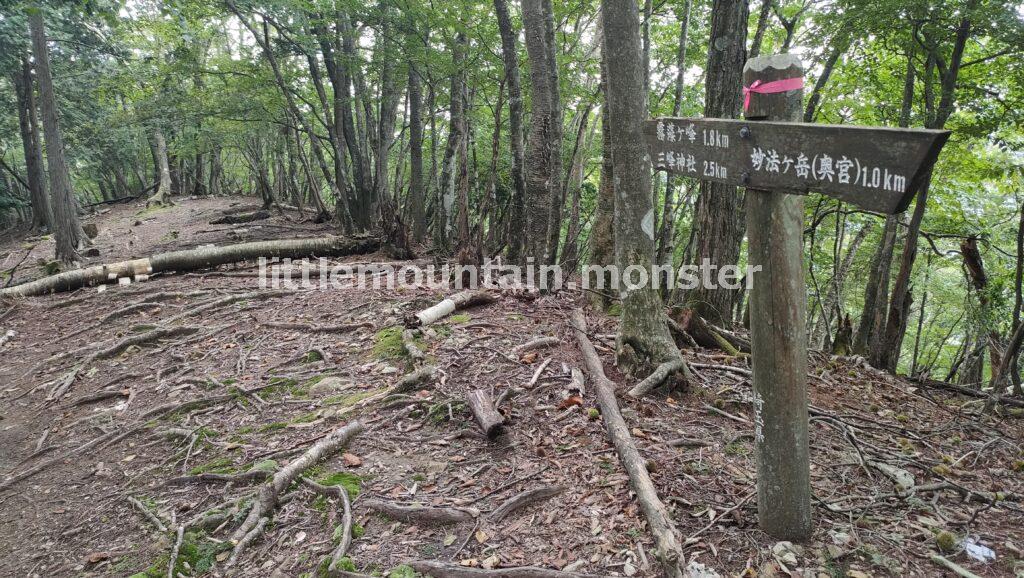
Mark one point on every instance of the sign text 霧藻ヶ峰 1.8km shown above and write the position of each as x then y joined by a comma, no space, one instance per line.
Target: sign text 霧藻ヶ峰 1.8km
876,168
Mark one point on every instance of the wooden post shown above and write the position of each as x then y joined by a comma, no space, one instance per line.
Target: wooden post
778,312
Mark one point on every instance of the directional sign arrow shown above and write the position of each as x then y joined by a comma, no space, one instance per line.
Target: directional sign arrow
879,169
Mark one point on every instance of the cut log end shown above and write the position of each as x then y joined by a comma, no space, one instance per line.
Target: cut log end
482,407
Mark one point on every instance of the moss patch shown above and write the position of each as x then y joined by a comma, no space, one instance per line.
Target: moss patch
387,343
216,466
196,557
349,481
346,400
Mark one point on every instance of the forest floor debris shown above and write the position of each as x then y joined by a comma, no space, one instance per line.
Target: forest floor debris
185,430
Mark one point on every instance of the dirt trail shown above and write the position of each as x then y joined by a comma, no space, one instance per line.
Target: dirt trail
75,518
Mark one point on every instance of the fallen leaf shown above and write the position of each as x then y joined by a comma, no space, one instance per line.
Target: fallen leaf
97,557
570,401
491,562
481,536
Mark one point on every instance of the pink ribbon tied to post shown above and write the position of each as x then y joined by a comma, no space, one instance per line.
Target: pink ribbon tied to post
772,87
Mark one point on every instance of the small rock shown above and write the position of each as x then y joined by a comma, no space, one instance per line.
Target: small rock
785,553
697,570
329,385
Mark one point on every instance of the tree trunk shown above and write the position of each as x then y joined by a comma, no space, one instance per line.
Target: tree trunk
445,207
390,92
66,226
517,218
416,200
666,234
819,85
643,339
42,216
602,232
544,150
834,297
762,26
162,195
887,351
719,212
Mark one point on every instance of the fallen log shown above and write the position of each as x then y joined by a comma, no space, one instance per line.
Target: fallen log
447,306
667,549
195,259
975,393
239,218
442,570
482,407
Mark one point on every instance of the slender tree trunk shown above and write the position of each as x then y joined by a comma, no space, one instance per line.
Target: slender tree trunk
914,369
516,231
543,154
416,200
834,297
819,85
762,26
445,207
574,184
887,351
666,234
66,226
390,93
720,216
643,338
162,195
876,292
42,216
602,232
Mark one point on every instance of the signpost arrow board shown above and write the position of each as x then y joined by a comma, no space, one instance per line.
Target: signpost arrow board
878,169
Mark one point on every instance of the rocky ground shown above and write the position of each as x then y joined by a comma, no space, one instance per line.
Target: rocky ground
225,384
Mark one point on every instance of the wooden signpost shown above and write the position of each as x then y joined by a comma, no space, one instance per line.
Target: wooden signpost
779,159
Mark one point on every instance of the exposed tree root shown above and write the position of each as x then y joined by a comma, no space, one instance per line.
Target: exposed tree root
63,384
524,499
659,375
341,495
243,478
226,300
537,343
668,550
448,306
239,218
409,342
194,259
442,570
146,513
311,328
269,495
421,514
690,323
